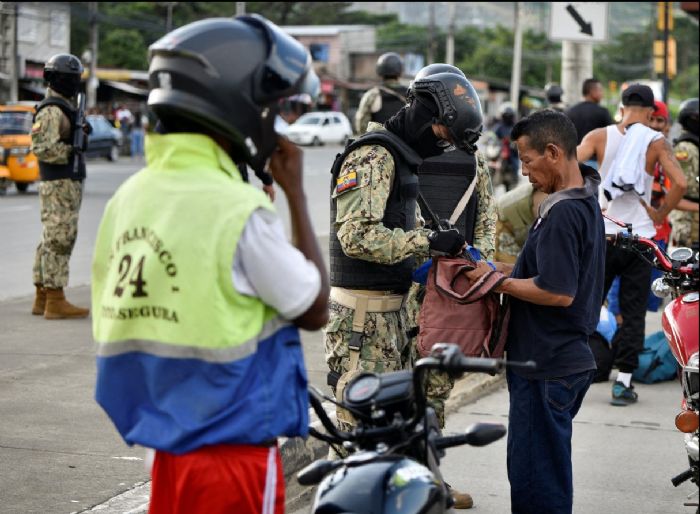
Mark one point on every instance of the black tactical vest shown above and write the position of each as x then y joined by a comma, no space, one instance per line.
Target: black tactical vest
400,212
443,181
391,103
72,169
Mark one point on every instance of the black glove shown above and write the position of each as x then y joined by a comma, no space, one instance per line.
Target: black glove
449,241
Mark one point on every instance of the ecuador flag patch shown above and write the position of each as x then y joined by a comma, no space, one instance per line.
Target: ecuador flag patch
346,181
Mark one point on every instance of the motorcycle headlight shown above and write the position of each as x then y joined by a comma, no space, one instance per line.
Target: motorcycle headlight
691,378
660,288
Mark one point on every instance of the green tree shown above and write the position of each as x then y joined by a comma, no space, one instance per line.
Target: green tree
124,48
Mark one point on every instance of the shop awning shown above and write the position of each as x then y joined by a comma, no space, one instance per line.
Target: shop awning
127,88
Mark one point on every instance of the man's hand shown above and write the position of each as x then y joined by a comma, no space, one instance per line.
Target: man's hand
269,191
481,269
286,165
656,216
450,241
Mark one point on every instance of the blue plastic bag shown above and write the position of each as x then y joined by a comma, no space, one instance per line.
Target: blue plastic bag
656,362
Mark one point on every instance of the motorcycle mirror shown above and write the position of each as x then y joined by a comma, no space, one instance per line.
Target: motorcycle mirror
314,472
481,434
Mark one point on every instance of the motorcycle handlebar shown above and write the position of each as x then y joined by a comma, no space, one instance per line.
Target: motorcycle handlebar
663,262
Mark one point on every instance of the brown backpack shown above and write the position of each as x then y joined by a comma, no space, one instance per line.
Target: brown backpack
455,310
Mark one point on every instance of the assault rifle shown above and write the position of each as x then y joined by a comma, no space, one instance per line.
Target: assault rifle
79,135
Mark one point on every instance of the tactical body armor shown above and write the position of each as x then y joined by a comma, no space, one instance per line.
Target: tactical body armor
400,212
69,170
390,100
444,179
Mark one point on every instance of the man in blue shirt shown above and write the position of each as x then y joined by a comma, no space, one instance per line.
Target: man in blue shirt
556,288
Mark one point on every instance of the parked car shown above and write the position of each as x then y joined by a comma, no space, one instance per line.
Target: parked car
317,128
104,140
17,163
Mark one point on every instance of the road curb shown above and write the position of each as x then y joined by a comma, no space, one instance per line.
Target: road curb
297,453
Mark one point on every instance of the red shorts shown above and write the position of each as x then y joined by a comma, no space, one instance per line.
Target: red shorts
218,479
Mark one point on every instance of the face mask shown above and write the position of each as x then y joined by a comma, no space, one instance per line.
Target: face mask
419,131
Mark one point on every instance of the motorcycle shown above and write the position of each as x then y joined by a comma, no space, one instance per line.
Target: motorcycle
680,325
396,447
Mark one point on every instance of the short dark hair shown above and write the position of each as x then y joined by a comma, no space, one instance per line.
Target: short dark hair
588,85
545,127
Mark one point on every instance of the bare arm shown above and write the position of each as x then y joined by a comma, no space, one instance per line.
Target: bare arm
660,151
286,167
587,149
687,205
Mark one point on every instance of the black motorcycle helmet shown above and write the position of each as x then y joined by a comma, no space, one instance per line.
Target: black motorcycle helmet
63,72
554,92
227,76
458,104
688,115
389,65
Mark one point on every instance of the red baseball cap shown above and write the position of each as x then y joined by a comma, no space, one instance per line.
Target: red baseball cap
660,109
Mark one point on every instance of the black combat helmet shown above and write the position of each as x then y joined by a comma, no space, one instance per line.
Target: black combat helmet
432,69
227,75
688,115
63,72
553,92
389,65
458,104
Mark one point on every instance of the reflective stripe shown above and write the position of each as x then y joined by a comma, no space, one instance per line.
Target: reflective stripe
270,482
213,355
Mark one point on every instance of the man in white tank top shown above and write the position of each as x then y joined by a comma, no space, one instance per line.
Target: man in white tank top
631,205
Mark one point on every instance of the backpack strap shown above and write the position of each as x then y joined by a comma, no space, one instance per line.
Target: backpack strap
445,281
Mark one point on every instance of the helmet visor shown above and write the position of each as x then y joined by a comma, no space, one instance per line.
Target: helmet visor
287,70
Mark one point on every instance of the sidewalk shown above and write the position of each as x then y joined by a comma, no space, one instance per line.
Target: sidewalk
59,451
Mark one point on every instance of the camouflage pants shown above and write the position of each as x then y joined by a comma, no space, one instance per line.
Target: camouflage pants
59,202
685,228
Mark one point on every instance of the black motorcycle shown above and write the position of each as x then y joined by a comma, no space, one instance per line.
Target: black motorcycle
396,447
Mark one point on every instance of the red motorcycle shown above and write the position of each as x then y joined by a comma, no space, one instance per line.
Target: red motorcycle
680,325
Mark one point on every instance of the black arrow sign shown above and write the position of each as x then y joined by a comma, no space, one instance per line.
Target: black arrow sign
586,28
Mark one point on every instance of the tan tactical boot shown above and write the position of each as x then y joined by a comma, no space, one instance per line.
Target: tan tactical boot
462,500
39,300
57,307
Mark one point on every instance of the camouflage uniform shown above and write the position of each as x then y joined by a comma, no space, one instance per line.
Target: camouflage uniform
440,384
360,210
363,116
685,223
59,200
509,240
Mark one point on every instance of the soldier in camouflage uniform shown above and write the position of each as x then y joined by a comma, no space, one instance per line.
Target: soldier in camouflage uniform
381,102
685,218
378,234
517,210
62,171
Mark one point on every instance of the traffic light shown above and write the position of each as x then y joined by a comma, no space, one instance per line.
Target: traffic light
659,56
661,15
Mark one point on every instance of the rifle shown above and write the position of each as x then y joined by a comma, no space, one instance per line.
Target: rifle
79,135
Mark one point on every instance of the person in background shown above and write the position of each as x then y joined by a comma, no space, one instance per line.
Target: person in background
383,101
554,92
685,218
138,131
588,114
627,153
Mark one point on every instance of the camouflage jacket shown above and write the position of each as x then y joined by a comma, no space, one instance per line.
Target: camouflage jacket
364,111
50,127
685,223
360,210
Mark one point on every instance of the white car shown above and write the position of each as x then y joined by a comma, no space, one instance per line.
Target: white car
317,128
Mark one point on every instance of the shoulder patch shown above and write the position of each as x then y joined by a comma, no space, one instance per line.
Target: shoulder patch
346,181
682,155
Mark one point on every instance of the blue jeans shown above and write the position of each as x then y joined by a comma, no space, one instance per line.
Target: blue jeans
137,143
539,441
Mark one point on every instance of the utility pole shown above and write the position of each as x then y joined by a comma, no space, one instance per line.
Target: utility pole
667,8
14,72
92,82
576,66
450,48
517,60
240,8
169,17
431,33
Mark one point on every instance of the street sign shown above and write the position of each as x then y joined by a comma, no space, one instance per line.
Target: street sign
578,21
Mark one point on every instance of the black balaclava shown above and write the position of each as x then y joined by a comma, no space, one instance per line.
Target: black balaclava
413,123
